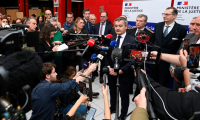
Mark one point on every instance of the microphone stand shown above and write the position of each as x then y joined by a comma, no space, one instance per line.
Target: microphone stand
116,69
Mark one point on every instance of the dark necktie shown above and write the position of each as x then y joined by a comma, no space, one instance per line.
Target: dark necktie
196,40
101,28
166,31
118,41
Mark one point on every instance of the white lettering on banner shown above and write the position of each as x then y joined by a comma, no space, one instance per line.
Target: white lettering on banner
187,10
152,8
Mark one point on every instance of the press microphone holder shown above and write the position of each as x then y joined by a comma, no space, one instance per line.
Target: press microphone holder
116,69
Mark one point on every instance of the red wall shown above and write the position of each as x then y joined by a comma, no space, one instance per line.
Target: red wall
113,7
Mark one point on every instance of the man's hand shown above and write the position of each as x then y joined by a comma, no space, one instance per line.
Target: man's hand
120,72
83,98
154,54
182,58
105,90
93,66
140,100
111,71
62,29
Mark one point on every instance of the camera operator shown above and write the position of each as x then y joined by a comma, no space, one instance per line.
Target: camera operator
45,93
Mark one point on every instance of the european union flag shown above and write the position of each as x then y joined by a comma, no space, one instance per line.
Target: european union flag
126,4
179,3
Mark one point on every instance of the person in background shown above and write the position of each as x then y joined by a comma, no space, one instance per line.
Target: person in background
46,36
24,19
58,55
0,15
88,24
33,16
48,15
69,22
4,20
17,21
40,19
9,19
93,20
2,25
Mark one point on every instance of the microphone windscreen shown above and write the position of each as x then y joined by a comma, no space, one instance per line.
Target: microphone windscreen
113,43
116,53
24,68
91,42
94,56
109,36
85,65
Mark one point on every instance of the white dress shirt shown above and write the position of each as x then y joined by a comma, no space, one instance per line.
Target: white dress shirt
121,39
103,29
169,28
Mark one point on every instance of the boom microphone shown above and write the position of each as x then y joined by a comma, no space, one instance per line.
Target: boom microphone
100,56
90,43
23,68
85,66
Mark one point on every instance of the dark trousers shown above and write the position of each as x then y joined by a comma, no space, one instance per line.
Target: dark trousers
123,91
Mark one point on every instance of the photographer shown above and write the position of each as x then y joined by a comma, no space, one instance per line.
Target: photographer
179,105
45,93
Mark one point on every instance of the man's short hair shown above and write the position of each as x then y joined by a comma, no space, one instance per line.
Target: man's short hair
92,16
71,13
29,19
174,12
85,10
8,16
143,15
34,15
121,18
124,16
53,19
46,69
105,12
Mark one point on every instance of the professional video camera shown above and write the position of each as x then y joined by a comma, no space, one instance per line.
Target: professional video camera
13,39
18,74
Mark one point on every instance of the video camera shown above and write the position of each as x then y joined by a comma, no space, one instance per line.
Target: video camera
13,39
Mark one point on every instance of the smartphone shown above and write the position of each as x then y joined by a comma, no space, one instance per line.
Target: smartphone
193,56
91,113
82,87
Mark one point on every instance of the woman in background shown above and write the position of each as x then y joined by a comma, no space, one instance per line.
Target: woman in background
40,19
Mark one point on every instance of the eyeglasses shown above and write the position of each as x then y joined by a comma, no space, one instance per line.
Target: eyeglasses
48,14
166,14
92,19
103,16
70,17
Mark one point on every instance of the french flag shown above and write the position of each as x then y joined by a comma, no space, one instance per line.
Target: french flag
185,3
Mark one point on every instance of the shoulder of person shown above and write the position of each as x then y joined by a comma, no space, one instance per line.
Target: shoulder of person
71,30
148,30
181,26
84,31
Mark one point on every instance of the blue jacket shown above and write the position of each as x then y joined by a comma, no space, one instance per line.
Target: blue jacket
88,27
66,27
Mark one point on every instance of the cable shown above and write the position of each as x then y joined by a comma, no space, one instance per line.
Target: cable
26,100
156,92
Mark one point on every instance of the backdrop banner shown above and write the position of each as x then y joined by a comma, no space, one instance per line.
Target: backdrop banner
152,8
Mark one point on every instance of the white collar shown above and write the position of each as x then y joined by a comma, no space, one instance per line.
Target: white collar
123,35
103,24
172,24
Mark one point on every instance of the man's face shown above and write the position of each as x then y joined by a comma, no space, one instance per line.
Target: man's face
53,75
93,20
103,17
140,22
70,18
5,21
18,21
9,18
86,15
191,27
48,14
168,17
32,25
120,27
197,26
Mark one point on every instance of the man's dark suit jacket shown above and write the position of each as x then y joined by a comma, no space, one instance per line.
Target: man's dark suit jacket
148,32
107,29
171,43
88,27
124,65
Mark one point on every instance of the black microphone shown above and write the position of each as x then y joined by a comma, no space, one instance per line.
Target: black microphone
100,56
105,71
23,68
116,54
21,25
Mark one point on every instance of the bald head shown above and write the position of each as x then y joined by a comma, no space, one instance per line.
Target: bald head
197,26
48,14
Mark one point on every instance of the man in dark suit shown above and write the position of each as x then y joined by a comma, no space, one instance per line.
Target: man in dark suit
168,36
47,15
93,20
125,71
141,21
88,24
